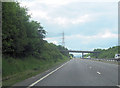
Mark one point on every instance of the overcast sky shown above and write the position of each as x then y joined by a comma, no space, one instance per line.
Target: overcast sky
87,25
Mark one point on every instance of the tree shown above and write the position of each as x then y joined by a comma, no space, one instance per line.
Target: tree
20,35
105,53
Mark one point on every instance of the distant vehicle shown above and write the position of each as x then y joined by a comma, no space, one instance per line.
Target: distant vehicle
117,56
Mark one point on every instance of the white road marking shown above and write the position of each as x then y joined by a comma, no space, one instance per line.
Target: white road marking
118,86
46,75
98,73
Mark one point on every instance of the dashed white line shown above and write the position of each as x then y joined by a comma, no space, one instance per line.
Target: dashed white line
46,75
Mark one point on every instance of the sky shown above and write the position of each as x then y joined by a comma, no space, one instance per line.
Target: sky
87,25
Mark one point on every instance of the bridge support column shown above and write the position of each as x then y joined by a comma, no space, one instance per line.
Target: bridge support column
82,55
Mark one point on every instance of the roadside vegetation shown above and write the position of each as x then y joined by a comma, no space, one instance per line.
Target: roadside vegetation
25,52
104,53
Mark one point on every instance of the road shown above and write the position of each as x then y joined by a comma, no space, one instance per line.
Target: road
78,72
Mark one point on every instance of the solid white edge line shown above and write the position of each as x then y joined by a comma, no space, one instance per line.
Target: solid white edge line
46,75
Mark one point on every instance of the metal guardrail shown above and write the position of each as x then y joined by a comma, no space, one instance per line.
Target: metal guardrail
112,59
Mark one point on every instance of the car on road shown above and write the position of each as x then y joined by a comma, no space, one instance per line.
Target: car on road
117,57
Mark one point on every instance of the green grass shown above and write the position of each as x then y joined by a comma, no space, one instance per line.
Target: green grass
16,70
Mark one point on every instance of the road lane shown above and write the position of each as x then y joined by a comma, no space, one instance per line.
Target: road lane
78,73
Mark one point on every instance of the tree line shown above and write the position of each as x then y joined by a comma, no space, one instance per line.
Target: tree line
105,53
22,36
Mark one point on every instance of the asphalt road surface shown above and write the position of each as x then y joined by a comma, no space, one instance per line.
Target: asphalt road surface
77,72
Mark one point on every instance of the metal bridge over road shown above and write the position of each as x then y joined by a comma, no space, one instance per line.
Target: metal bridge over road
79,51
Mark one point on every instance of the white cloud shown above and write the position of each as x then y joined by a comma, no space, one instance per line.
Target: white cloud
105,35
68,21
27,3
39,13
108,34
100,40
52,40
56,3
81,19
62,21
51,3
102,35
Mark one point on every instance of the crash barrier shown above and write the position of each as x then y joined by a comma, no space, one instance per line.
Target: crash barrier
99,59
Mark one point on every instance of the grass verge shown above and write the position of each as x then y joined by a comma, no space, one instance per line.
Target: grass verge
16,70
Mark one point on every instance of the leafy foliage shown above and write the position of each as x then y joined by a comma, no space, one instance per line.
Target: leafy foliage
62,49
24,37
105,53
